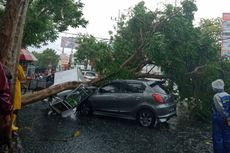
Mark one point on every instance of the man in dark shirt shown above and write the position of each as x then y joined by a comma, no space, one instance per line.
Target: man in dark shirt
5,107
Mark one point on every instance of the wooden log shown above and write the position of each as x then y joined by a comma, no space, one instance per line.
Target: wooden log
52,90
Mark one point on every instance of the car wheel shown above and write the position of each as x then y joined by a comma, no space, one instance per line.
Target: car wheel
146,118
85,109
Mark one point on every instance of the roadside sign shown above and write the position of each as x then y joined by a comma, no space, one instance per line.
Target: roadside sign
68,42
225,49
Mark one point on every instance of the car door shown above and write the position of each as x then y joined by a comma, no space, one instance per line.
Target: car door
131,97
105,99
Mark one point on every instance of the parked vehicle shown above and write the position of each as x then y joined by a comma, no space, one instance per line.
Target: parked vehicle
89,75
144,101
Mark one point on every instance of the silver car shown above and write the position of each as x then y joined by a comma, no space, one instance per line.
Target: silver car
89,75
144,101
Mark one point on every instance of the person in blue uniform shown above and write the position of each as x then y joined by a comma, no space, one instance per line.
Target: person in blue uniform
221,118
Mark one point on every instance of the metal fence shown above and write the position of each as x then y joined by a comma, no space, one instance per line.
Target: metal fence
35,85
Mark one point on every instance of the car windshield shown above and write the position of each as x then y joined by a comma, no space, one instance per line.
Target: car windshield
90,74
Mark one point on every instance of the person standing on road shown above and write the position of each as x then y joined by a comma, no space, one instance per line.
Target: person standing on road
20,76
221,118
5,108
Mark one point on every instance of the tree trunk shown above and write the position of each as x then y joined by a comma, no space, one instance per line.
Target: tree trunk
42,94
11,34
8,27
11,31
18,37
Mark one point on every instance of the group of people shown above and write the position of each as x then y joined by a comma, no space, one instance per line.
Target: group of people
9,105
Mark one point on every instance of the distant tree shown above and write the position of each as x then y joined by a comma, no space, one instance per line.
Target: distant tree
86,50
47,57
212,27
96,52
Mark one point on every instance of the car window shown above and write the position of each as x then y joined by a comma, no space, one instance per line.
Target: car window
111,88
135,88
90,74
158,89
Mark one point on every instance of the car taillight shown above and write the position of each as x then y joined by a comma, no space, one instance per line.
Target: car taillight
157,98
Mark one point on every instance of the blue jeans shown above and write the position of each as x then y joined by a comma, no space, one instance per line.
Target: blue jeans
221,135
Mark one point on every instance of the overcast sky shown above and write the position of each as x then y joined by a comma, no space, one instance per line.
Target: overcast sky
99,13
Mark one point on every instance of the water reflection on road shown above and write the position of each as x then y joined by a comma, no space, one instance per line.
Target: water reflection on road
41,133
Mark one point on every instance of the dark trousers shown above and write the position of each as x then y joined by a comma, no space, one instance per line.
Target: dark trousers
221,135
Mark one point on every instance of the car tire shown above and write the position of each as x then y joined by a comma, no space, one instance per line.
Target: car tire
85,109
146,118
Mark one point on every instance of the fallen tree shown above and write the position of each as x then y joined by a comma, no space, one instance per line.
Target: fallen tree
187,55
52,90
144,40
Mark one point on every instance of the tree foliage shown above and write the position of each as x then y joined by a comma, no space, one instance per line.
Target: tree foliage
212,27
47,57
97,52
45,18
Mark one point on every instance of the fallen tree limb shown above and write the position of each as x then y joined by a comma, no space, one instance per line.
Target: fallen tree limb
42,94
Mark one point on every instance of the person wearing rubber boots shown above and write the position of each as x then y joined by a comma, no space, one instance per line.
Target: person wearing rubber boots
221,118
20,75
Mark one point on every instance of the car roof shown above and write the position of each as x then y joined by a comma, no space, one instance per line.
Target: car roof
148,82
128,81
88,71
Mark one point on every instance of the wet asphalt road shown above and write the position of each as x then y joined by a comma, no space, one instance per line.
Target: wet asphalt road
41,133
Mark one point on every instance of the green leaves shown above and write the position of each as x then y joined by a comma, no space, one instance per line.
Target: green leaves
45,18
46,58
170,40
98,53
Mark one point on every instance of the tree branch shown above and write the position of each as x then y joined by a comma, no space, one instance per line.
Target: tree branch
196,69
42,94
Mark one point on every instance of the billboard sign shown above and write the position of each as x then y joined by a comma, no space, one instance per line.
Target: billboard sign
226,26
225,34
68,42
